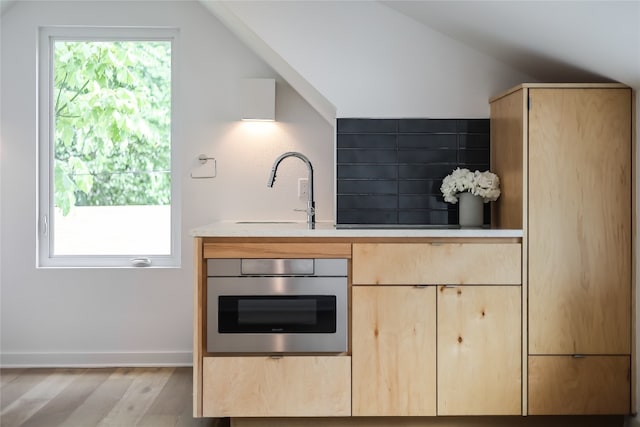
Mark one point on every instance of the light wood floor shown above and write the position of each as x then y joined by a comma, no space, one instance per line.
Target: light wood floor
113,397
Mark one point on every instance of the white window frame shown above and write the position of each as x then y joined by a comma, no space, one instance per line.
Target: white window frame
45,257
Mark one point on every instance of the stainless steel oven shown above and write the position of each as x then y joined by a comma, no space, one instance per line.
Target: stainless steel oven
277,305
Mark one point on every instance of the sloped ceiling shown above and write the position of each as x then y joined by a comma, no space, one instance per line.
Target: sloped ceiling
553,41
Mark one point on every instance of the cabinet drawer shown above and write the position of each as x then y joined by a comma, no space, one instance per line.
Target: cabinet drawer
291,386
564,385
437,263
276,250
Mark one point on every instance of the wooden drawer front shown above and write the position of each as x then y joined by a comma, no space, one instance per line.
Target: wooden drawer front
564,385
437,263
277,250
292,386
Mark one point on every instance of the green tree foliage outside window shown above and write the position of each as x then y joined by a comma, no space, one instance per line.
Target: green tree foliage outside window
112,109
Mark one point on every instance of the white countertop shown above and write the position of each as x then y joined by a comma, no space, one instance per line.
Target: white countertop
328,229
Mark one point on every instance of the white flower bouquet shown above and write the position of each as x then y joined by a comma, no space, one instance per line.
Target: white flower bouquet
483,184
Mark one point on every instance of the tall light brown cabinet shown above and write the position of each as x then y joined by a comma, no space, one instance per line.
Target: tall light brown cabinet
563,152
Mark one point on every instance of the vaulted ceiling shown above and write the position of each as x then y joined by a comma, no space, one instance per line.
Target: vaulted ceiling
582,40
549,40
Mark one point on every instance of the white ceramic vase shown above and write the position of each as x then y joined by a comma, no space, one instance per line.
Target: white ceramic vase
470,211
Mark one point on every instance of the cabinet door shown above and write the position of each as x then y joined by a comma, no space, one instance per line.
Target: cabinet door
302,386
394,351
436,263
479,350
579,221
565,385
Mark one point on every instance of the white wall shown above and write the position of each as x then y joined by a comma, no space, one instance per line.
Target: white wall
362,56
128,316
371,61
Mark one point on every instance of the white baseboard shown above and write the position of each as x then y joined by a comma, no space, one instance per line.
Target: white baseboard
95,360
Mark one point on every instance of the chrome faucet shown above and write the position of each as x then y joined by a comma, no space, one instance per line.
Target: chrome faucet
311,205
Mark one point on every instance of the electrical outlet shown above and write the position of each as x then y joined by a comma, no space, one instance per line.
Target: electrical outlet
303,188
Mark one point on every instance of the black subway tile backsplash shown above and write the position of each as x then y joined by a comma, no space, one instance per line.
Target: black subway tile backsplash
473,156
474,141
417,201
425,171
368,216
351,171
418,186
473,126
350,155
432,217
429,141
367,126
389,171
362,186
370,140
427,126
368,201
427,156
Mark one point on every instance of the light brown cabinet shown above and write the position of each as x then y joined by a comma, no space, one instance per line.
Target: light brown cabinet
564,156
479,350
231,385
402,332
575,385
394,351
302,386
580,221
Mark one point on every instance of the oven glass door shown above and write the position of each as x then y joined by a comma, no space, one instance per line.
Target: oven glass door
276,314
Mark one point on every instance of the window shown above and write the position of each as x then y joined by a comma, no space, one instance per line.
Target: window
108,181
